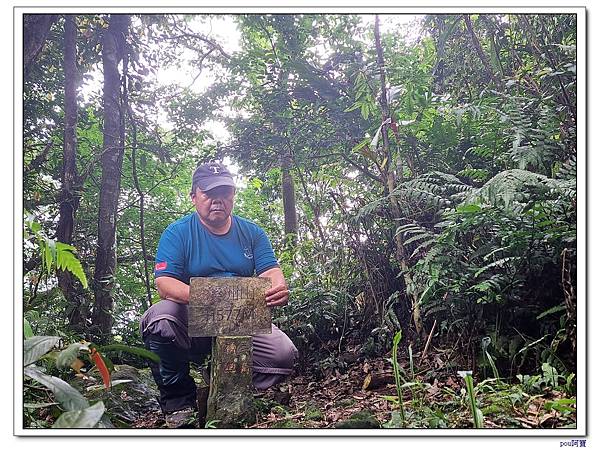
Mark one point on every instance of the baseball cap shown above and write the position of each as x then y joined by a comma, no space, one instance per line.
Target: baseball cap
211,175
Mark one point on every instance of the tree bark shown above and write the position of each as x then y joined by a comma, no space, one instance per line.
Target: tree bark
313,207
113,44
141,202
484,60
390,180
35,32
69,199
289,200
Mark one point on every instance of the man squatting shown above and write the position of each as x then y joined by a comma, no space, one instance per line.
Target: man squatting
210,242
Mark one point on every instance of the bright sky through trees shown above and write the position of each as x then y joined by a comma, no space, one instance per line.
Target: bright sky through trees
224,30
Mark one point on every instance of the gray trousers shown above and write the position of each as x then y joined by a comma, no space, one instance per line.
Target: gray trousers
164,329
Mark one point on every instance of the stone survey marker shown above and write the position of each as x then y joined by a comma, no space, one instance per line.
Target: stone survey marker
231,310
229,306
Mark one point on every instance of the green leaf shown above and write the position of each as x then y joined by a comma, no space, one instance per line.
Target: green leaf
364,111
552,310
353,107
27,331
492,365
36,347
68,397
66,260
498,263
531,344
69,355
84,418
47,250
468,209
35,227
478,418
550,374
361,144
418,237
132,350
562,405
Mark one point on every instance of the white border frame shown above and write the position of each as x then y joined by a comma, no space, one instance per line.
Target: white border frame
582,406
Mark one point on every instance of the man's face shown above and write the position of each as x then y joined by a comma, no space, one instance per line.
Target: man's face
214,206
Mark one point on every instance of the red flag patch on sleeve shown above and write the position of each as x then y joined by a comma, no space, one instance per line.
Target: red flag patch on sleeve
160,266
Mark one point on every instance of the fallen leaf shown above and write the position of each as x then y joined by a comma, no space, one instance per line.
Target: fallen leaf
450,382
77,365
546,417
366,382
434,389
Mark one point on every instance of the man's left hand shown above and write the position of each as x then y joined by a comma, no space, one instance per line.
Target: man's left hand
277,296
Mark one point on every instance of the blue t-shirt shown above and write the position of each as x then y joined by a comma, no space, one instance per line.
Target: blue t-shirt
187,249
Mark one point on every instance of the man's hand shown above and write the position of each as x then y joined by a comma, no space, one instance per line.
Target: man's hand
172,289
279,294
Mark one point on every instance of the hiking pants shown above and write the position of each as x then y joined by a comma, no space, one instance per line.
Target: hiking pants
164,330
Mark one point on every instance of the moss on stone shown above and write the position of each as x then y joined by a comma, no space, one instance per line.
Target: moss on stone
312,412
360,419
345,402
287,423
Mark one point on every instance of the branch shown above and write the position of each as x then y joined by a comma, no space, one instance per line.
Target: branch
362,169
272,44
35,32
478,48
177,94
199,37
547,55
39,159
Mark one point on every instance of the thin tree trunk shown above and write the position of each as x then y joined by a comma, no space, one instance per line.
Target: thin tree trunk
389,178
285,158
69,199
478,49
139,191
313,207
35,32
289,200
113,44
547,55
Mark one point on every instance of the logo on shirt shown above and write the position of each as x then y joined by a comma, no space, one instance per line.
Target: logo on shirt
160,266
248,253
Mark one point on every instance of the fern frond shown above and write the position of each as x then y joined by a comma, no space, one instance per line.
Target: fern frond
499,263
568,170
66,260
508,187
423,246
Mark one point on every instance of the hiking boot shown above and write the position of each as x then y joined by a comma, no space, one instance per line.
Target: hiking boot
184,418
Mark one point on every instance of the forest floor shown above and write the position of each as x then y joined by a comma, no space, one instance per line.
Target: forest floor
362,394
435,399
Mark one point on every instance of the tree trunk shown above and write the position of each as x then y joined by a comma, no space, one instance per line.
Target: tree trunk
69,199
477,45
113,44
390,180
289,200
139,190
313,207
35,32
